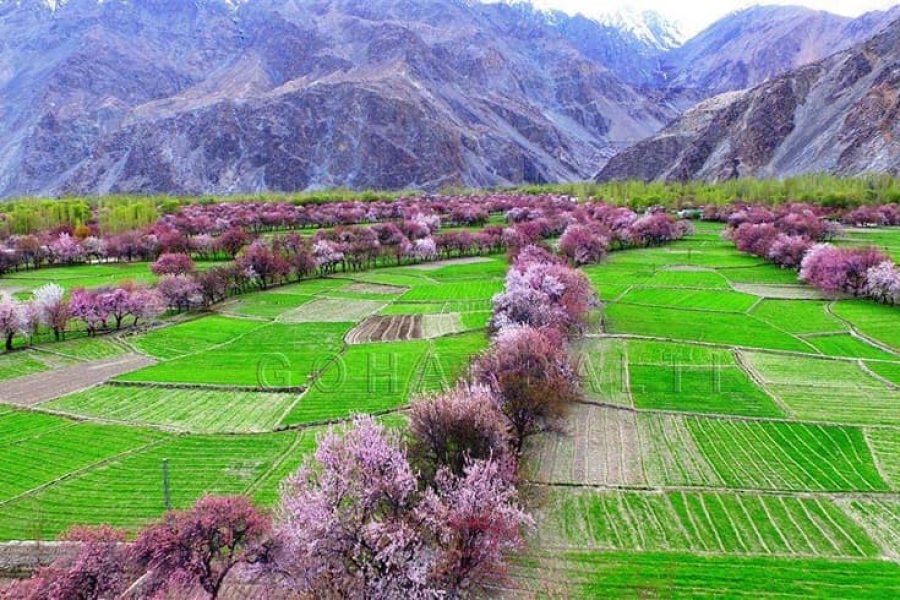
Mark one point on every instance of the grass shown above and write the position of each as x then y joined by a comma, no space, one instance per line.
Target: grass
876,321
718,300
787,456
682,575
191,337
718,328
85,348
798,317
827,390
725,522
693,378
197,411
275,355
128,492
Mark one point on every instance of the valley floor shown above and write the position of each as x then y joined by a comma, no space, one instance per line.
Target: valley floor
741,437
740,434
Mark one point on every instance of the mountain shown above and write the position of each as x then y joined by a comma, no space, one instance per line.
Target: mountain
227,96
630,44
755,44
219,96
840,115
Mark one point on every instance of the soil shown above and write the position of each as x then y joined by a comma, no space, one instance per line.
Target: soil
41,387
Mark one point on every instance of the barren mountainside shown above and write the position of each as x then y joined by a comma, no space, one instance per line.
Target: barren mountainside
840,115
223,96
759,43
214,97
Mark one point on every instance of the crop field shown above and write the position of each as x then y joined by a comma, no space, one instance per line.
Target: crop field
798,318
274,355
26,363
824,390
469,290
199,411
738,435
681,575
875,321
83,276
705,522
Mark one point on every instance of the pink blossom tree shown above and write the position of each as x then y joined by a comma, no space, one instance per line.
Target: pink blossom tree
200,547
787,251
269,265
96,570
585,244
449,430
180,292
882,283
89,307
542,294
342,523
423,249
328,256
476,520
352,522
232,241
66,249
52,308
172,264
12,319
529,373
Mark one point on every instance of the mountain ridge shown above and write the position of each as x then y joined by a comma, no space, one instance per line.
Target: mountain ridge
225,96
840,115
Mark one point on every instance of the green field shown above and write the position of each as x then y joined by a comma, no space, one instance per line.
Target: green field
706,522
274,355
197,411
738,435
680,575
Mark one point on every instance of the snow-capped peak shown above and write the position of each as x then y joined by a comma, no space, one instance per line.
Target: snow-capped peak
646,25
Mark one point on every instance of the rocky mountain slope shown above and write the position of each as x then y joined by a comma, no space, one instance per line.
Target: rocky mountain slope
758,43
222,96
840,115
217,96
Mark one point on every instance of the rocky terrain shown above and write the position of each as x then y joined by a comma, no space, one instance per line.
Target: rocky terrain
840,115
758,43
212,97
224,96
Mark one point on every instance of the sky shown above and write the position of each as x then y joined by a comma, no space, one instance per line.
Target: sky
693,16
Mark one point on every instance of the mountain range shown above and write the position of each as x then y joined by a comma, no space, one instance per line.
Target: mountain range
227,96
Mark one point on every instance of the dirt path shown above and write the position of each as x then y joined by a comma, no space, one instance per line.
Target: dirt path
40,387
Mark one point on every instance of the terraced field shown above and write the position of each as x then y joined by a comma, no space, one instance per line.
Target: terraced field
739,436
224,389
